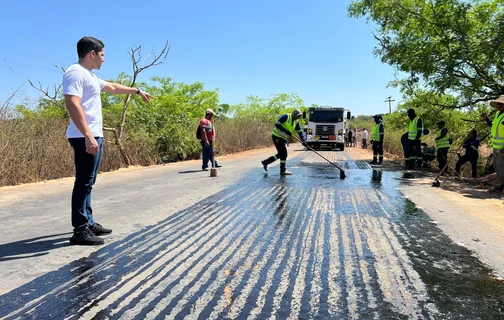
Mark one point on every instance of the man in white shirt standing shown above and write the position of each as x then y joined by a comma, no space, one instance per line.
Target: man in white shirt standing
364,138
82,88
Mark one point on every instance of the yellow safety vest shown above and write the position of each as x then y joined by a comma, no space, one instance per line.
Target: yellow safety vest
497,140
444,142
289,125
375,134
413,129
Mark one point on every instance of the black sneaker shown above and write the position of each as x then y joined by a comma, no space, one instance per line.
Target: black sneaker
86,237
265,166
218,165
98,229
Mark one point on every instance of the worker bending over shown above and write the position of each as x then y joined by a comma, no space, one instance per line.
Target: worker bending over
284,128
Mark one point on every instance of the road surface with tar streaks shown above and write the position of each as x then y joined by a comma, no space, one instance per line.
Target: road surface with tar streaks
307,246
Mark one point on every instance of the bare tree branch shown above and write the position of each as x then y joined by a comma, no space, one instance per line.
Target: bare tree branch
136,57
6,102
9,65
53,97
63,69
463,105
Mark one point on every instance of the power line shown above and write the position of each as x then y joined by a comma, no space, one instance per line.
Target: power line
365,105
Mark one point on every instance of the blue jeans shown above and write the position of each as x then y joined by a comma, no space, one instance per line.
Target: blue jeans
86,170
207,155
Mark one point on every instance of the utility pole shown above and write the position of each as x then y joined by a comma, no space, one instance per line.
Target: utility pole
389,100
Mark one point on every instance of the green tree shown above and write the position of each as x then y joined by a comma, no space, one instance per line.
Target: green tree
169,121
267,110
446,46
425,105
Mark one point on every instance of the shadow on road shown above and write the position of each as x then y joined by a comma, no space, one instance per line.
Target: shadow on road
34,247
190,171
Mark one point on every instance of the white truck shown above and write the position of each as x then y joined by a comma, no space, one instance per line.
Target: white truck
325,128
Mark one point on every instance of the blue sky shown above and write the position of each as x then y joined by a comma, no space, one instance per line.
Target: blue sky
241,47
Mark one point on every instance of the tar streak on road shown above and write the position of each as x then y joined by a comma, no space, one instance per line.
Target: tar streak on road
308,246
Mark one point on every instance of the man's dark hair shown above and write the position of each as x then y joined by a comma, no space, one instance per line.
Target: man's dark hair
88,44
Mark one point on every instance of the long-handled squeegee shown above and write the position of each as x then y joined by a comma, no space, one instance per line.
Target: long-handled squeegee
342,172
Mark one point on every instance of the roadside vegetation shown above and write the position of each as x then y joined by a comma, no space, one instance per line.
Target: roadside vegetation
447,53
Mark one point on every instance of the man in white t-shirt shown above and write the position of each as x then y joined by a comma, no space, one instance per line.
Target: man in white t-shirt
82,88
365,134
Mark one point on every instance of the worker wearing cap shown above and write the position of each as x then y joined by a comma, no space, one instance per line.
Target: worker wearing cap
497,138
284,128
377,136
443,142
207,137
415,131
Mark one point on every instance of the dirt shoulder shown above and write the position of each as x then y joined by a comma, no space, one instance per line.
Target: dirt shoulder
464,209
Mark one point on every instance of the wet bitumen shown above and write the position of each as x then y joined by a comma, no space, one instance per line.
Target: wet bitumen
307,246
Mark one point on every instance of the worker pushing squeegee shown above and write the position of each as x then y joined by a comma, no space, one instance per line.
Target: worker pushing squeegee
284,128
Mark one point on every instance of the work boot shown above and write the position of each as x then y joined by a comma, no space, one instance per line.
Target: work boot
265,165
268,161
98,229
285,173
86,237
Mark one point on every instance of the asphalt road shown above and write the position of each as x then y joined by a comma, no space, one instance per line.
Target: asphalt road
245,245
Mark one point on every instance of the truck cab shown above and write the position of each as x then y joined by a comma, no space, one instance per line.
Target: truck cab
325,127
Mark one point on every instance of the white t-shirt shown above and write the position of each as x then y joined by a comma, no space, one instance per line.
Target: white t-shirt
83,83
364,134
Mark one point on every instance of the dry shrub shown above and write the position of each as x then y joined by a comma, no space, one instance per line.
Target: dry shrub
36,149
33,149
236,135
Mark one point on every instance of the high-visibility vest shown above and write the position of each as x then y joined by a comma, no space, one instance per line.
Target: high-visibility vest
497,140
289,125
413,129
444,142
375,134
